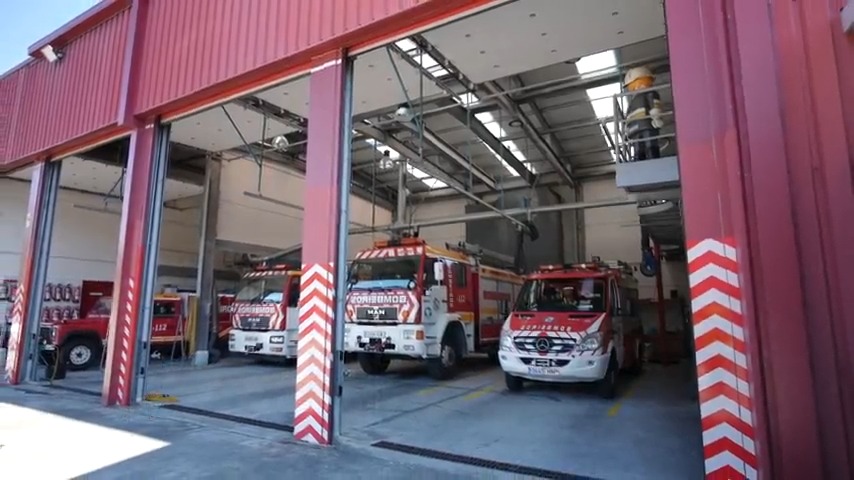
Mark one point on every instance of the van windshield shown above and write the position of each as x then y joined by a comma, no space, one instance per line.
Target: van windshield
562,295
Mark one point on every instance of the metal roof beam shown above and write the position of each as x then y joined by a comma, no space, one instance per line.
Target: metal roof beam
360,183
562,169
268,109
452,153
477,127
422,163
460,113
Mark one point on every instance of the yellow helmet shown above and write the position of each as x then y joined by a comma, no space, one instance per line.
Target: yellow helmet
636,73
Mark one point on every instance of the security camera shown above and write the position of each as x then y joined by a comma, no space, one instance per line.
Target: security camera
50,54
280,142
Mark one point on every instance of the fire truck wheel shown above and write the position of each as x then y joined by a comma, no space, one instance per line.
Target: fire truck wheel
445,366
608,385
514,384
373,364
81,354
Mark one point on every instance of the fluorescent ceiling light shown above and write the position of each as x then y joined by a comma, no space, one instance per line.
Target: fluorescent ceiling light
394,155
491,124
597,64
601,98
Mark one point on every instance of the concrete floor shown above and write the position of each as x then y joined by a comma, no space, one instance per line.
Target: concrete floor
650,431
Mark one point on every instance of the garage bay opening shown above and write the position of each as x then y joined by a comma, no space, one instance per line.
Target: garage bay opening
532,284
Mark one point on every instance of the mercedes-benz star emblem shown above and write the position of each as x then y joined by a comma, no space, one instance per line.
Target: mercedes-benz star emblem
543,345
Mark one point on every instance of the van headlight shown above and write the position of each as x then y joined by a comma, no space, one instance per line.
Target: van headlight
591,342
277,339
506,340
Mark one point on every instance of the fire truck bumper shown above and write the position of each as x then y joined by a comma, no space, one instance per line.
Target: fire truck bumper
584,368
276,343
395,341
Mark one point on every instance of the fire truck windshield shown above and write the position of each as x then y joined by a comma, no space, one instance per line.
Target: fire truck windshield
382,273
261,290
562,295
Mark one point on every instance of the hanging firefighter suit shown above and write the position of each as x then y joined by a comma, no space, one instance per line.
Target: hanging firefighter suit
643,121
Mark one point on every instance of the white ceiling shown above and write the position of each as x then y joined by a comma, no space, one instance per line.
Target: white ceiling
211,130
375,86
529,34
98,178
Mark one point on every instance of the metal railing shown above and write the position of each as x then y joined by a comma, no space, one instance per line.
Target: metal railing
619,142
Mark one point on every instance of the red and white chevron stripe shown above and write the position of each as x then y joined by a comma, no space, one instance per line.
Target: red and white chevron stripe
125,338
13,369
726,409
314,354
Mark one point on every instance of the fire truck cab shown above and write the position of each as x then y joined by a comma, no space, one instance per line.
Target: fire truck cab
409,300
265,312
574,323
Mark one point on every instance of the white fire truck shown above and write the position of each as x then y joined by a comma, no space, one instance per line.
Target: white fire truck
574,323
410,300
265,314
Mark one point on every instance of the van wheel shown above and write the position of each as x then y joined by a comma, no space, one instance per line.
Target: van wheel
81,354
608,386
373,364
514,384
451,352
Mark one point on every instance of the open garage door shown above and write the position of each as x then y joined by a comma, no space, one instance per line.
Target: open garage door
528,313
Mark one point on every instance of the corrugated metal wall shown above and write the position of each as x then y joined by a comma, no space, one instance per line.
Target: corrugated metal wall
238,37
67,99
9,86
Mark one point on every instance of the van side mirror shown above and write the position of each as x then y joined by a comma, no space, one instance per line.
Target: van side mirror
439,271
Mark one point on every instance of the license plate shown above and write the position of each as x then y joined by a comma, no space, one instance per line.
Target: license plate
543,371
251,339
375,334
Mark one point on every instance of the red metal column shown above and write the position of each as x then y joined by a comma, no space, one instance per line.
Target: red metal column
326,183
719,254
44,186
760,155
128,285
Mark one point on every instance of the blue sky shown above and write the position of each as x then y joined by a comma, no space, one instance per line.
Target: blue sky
23,22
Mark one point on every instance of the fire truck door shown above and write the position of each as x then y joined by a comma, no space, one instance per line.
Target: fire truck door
461,288
618,321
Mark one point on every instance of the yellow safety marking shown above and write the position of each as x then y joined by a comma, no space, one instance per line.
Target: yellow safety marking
478,393
489,311
615,408
466,316
429,390
160,398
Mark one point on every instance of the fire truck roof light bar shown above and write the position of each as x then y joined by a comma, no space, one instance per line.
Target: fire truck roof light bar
514,212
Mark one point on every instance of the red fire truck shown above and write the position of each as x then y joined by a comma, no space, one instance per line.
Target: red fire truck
409,300
80,342
574,323
265,316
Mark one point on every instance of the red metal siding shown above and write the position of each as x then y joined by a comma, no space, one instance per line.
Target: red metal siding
191,45
9,93
76,96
